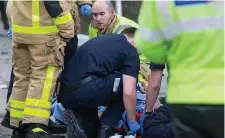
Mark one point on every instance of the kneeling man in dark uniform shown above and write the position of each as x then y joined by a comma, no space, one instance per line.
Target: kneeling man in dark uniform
103,72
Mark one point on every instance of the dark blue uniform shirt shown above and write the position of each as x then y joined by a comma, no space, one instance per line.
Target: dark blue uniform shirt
101,56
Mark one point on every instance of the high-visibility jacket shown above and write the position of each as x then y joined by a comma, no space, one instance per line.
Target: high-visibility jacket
121,24
188,35
143,59
36,22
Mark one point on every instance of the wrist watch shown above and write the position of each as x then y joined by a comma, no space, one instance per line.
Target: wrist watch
148,113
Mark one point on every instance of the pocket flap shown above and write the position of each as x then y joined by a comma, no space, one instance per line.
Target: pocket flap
51,43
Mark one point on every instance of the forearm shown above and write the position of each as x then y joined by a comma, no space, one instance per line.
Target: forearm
154,84
130,105
152,95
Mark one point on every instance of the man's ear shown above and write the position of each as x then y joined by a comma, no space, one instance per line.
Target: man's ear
113,11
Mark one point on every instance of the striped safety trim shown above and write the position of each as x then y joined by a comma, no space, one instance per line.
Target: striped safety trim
44,101
121,28
35,28
38,103
63,19
37,112
191,25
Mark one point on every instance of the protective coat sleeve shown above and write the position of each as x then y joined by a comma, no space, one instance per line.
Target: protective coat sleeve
62,17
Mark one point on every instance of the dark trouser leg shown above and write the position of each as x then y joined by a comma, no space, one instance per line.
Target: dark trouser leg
114,111
3,14
198,121
89,121
70,50
10,84
94,94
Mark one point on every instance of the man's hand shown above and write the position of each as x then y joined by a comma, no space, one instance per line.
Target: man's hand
134,127
85,10
9,33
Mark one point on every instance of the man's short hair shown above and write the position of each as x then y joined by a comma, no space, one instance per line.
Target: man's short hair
109,4
129,31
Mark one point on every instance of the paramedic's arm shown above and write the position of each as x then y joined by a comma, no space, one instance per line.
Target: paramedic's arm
130,75
154,84
153,89
149,38
129,96
62,17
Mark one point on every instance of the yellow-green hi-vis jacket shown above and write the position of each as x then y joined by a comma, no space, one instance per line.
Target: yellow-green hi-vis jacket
189,37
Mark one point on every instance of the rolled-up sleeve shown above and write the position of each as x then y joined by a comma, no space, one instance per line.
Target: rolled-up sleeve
131,64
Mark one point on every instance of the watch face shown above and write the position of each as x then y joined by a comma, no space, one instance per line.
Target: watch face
148,112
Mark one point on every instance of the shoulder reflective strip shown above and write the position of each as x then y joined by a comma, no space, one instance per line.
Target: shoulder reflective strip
63,19
34,30
164,8
36,112
35,13
38,103
121,27
17,104
48,83
16,113
38,130
192,25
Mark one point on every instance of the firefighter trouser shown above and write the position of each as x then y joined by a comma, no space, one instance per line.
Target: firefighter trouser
10,87
36,69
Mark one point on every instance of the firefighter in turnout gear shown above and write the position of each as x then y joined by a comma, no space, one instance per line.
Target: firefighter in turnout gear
40,32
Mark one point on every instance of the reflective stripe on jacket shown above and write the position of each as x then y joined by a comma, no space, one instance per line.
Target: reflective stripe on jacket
36,22
122,24
189,36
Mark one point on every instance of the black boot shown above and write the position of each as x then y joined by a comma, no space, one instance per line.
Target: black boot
106,131
18,133
37,131
6,120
